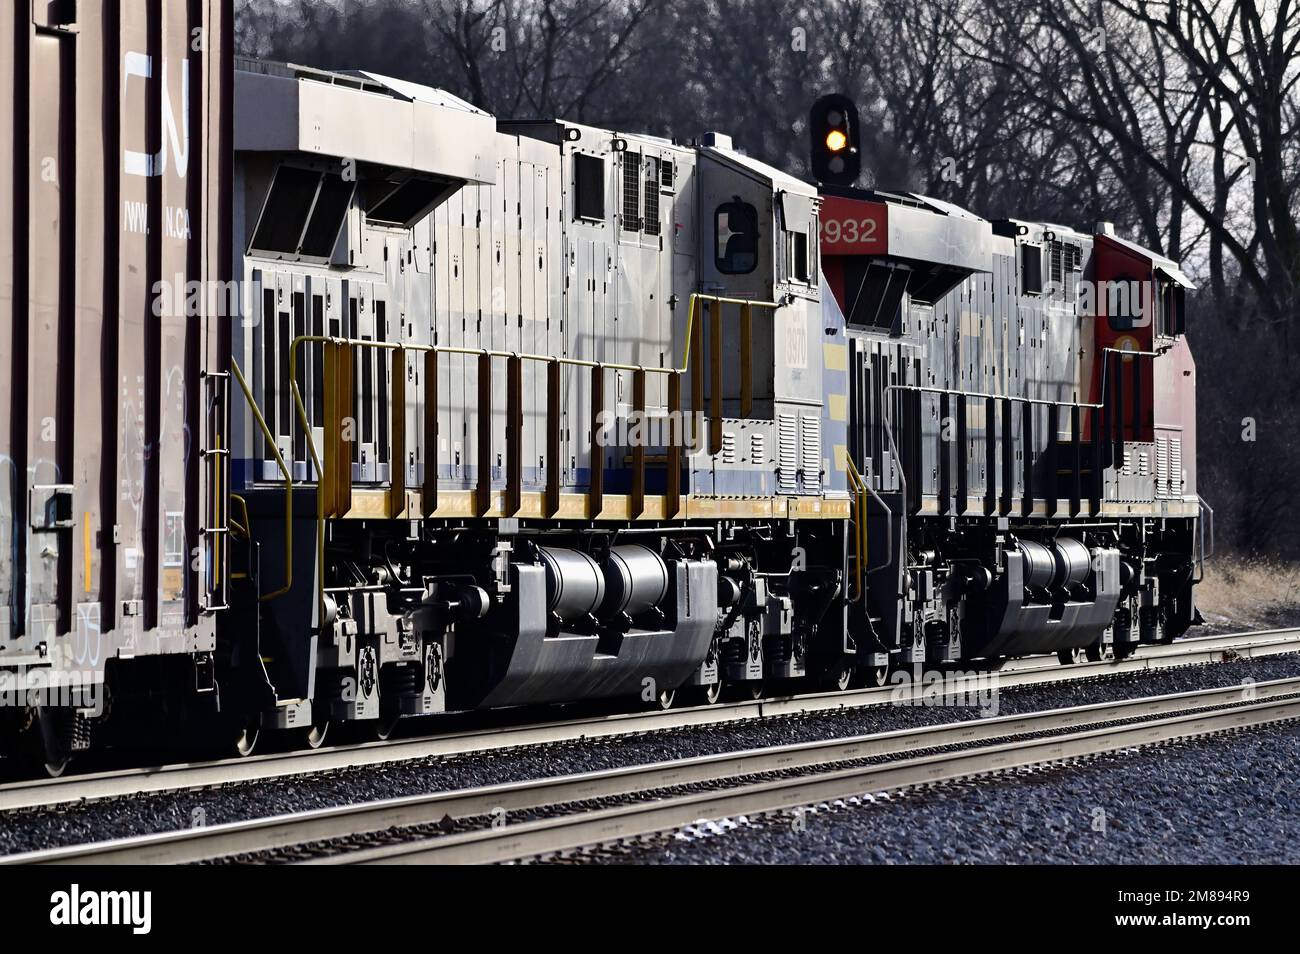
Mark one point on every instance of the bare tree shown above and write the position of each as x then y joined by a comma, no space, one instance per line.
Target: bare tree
1164,80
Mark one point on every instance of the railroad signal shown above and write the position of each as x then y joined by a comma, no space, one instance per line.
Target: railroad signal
833,125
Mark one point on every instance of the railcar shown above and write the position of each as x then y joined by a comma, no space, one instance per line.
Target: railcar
410,410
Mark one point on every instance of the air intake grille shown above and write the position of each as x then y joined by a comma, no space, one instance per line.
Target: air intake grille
811,454
650,221
631,192
787,439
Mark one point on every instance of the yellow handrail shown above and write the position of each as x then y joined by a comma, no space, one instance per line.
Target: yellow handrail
243,505
288,484
721,300
437,349
525,356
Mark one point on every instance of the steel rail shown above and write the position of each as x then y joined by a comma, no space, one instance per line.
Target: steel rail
550,836
279,832
1017,673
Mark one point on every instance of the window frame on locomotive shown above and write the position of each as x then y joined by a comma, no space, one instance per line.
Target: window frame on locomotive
722,255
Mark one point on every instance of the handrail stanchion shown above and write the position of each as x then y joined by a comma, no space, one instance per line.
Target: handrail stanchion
676,437
483,503
553,396
746,360
596,492
1076,437
514,435
329,383
715,376
397,439
429,495
347,433
638,447
695,346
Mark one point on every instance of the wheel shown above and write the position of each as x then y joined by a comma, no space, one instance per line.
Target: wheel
45,747
39,753
1124,650
1069,657
707,695
56,766
314,736
664,701
246,739
386,726
839,680
1098,652
749,691
877,676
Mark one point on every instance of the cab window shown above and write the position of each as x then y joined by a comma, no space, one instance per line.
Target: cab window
736,225
1170,307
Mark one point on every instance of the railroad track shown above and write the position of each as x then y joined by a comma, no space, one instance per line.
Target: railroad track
1017,673
536,818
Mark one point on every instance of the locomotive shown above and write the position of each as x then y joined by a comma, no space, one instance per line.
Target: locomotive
367,404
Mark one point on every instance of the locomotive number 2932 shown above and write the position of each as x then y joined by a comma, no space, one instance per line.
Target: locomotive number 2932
853,226
850,231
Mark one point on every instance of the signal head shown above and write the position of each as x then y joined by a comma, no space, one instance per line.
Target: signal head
833,126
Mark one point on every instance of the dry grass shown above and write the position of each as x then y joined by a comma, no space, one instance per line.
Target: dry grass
1243,594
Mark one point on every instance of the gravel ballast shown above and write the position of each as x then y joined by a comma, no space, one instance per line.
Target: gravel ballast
1230,799
124,817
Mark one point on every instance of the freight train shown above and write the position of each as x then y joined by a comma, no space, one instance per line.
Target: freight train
331,400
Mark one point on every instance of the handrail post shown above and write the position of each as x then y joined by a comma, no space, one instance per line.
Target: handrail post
1076,437
397,441
553,397
328,489
695,359
346,424
514,435
676,437
990,456
1119,413
638,446
1098,486
1053,458
1027,437
746,360
1008,470
596,491
484,496
715,377
943,449
429,496
962,465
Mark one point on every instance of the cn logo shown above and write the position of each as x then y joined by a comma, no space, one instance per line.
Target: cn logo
175,134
